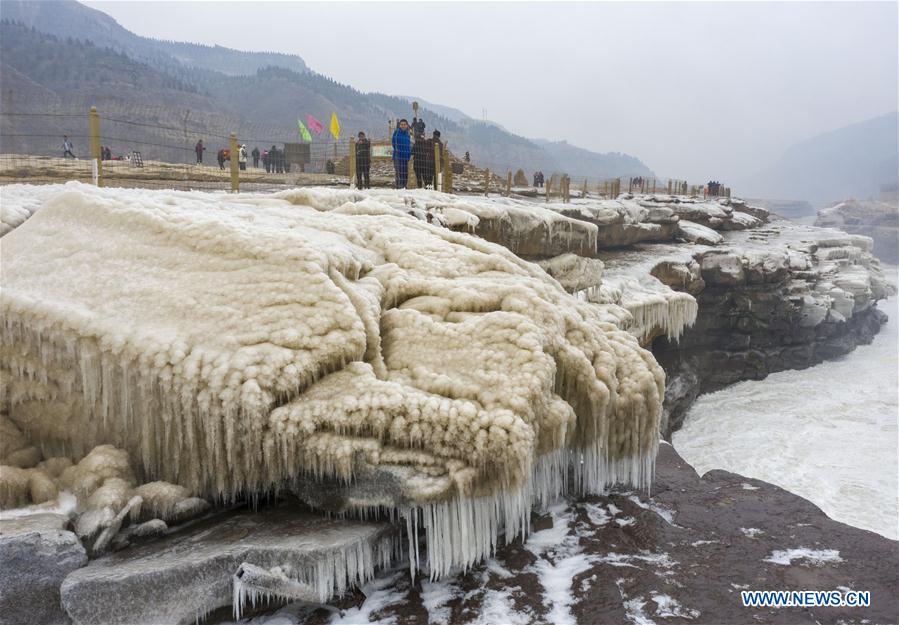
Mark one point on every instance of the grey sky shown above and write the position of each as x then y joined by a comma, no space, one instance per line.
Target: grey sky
696,90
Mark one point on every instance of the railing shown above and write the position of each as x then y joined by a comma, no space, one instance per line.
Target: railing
147,148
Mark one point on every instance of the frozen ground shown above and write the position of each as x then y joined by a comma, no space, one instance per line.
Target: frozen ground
828,433
624,559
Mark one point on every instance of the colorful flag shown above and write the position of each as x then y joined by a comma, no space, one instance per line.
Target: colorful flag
335,126
314,124
303,132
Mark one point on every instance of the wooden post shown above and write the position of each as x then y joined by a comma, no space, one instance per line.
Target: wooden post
509,184
548,184
447,171
669,186
584,192
235,170
437,166
94,119
351,162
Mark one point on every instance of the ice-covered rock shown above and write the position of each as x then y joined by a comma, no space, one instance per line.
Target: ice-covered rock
878,220
697,233
723,269
233,344
183,576
575,273
528,229
777,297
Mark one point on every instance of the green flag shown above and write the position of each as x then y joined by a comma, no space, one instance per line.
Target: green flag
303,132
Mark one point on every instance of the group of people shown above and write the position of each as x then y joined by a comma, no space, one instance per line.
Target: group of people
68,150
225,155
272,160
538,179
404,148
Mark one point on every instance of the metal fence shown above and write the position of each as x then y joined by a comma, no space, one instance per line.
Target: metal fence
141,151
146,147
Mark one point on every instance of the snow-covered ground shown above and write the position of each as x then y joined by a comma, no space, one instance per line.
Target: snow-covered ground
828,433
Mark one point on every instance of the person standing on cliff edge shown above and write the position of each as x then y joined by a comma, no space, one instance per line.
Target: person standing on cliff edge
402,152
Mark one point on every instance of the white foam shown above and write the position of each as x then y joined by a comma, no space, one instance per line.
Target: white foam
828,433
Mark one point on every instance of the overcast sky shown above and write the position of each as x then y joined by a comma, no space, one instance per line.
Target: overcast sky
696,90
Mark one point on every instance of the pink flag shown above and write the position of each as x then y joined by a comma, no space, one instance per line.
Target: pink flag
314,125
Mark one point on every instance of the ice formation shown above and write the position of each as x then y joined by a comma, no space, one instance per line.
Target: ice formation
18,202
101,487
576,274
232,344
654,307
526,228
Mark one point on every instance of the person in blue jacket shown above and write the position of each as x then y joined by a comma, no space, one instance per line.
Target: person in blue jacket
402,152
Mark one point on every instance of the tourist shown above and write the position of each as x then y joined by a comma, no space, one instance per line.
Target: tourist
242,157
418,129
363,162
199,149
402,152
255,154
221,158
67,148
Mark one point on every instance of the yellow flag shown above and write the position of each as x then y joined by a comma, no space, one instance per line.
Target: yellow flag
335,126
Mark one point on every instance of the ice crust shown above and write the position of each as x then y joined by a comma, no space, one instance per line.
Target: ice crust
233,344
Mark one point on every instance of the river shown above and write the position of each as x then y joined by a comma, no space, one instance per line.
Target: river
828,433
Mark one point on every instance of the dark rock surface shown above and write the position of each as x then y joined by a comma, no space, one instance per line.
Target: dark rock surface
681,556
36,553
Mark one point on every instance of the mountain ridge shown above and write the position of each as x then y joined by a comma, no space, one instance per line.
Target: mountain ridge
266,92
856,160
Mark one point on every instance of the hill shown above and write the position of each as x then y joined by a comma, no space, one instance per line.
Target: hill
580,162
68,18
854,161
215,90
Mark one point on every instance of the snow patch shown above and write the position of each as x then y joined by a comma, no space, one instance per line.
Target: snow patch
669,607
813,557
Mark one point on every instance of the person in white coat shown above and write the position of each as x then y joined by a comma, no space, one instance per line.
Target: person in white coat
242,157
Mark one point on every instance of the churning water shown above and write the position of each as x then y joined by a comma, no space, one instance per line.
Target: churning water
828,433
